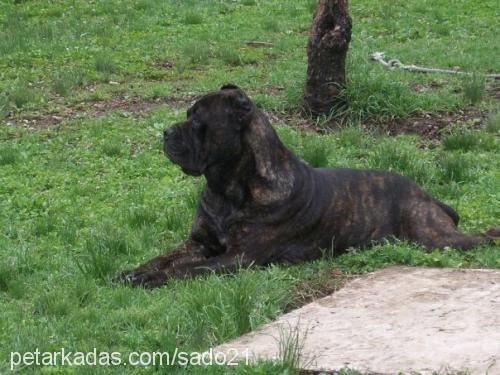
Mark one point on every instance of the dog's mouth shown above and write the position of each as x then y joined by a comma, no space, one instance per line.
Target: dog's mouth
191,172
187,170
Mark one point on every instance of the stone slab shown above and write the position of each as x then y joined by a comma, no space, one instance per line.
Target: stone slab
396,319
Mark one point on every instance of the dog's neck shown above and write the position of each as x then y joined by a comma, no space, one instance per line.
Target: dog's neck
227,181
263,173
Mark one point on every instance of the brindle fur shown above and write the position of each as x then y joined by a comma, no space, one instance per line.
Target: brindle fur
262,204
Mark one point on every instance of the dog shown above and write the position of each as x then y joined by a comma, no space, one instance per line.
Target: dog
263,205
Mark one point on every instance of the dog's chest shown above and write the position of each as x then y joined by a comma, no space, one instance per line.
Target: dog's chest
224,219
229,226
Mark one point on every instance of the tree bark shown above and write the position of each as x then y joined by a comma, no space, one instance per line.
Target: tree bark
326,52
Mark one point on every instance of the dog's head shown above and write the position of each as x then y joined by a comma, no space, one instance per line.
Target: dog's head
212,135
231,142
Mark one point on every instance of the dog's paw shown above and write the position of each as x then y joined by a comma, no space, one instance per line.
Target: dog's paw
493,234
145,279
124,277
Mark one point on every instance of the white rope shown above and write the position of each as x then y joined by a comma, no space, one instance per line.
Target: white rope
395,63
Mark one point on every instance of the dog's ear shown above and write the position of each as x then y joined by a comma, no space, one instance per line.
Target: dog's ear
229,86
238,97
242,101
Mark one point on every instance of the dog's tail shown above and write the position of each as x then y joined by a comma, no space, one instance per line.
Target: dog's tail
449,211
492,234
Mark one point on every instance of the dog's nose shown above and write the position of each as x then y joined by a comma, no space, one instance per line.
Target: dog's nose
168,132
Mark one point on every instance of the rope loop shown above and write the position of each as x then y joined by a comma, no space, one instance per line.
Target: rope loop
395,63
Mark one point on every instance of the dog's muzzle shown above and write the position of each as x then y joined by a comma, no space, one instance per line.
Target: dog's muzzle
167,133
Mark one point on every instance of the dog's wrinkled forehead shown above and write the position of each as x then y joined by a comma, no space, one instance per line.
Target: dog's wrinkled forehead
230,98
208,103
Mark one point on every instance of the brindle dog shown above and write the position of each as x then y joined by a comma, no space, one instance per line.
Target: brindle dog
262,204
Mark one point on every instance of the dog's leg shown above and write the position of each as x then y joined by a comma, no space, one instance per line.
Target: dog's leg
455,240
190,251
225,263
431,226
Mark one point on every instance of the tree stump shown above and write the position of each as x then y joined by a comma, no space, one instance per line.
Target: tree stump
326,52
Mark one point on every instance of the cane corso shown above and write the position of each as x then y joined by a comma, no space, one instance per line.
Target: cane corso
262,204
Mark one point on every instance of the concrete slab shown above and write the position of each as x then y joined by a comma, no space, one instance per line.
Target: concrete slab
397,319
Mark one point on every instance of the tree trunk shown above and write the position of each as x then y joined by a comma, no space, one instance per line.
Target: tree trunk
326,52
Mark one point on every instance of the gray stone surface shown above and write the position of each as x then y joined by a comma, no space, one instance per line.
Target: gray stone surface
396,319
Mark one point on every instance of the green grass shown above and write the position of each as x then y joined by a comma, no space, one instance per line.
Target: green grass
352,137
311,5
4,106
230,56
454,167
193,18
22,94
8,155
94,195
474,88
460,139
271,25
105,64
315,151
195,54
493,124
399,157
290,346
112,148
65,81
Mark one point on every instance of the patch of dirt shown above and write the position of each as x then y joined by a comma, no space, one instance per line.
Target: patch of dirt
271,56
493,89
320,285
433,85
429,125
34,122
133,106
164,64
295,119
268,90
259,44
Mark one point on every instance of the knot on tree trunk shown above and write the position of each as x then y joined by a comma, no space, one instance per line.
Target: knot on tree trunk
326,52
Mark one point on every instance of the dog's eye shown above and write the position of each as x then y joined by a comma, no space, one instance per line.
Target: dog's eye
198,126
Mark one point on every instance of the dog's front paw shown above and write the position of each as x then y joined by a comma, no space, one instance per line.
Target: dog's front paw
122,277
493,234
145,279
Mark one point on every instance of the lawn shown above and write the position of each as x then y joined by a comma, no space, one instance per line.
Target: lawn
86,88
